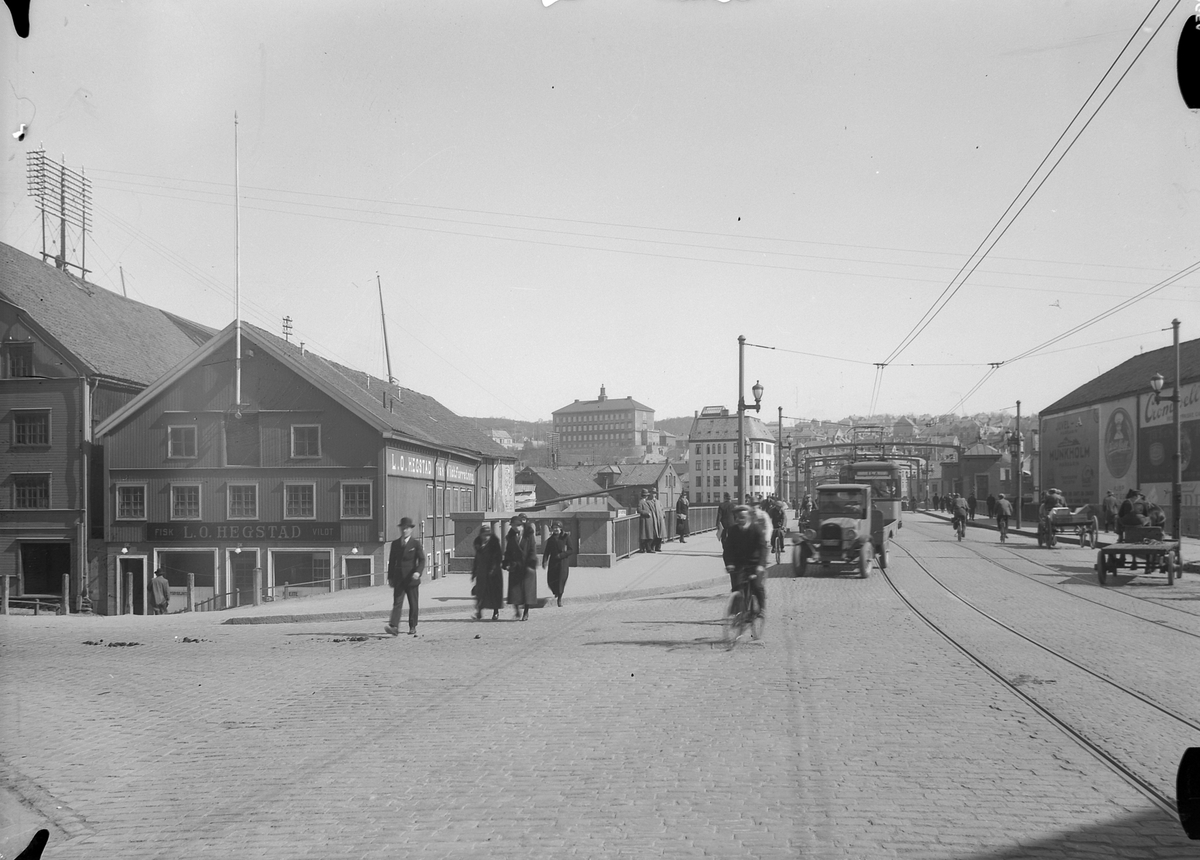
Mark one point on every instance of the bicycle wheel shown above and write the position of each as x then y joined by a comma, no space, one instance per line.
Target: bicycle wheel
754,611
735,620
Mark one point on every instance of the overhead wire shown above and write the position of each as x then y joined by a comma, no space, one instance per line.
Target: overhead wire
980,251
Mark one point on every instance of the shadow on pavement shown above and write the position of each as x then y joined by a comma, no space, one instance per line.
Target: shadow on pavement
669,644
1148,833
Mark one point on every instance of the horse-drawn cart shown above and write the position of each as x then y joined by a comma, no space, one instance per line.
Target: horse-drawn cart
1141,542
1083,522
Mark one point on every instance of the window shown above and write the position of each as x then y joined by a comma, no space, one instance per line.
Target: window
185,501
131,502
306,440
356,501
299,501
241,440
243,502
31,491
181,442
20,359
31,428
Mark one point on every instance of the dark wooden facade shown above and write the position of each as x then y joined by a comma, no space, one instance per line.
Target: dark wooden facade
318,449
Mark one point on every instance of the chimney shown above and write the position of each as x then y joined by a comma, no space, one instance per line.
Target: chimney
603,396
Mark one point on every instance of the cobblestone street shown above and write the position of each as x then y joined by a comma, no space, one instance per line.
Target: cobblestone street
619,728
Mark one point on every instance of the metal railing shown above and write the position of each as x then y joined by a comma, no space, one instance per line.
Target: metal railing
283,591
627,528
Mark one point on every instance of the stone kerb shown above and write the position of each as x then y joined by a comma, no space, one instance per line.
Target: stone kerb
591,533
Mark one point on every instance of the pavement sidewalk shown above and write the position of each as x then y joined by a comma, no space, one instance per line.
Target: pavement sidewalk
678,567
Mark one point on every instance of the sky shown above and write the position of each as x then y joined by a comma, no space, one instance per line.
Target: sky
610,192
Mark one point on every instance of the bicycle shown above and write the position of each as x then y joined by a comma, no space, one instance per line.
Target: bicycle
1002,525
744,611
777,544
960,527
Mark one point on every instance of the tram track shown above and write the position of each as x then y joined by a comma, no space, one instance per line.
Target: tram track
1147,786
1162,625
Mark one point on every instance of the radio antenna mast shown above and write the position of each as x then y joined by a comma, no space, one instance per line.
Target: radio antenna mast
237,273
383,319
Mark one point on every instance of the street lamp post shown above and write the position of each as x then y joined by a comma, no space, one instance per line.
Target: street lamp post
757,390
1014,448
1176,398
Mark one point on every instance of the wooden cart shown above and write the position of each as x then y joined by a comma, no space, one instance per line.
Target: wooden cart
1083,522
1141,542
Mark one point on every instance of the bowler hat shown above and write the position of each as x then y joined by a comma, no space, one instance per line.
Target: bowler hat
406,523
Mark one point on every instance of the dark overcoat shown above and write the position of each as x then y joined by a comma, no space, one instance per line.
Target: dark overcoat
522,570
486,571
557,559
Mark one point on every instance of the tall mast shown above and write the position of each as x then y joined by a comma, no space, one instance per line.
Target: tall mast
383,319
237,277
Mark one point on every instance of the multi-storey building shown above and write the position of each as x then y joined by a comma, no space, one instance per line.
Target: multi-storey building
604,431
299,486
712,450
70,354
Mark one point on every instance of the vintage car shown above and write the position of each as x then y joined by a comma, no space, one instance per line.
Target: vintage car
843,529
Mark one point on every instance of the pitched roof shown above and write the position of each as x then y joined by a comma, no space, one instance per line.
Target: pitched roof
1132,376
405,412
565,482
606,405
112,336
641,474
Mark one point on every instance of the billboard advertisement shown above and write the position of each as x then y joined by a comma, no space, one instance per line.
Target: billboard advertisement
1118,447
1156,453
1070,455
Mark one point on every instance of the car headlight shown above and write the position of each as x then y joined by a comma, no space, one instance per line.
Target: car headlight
849,535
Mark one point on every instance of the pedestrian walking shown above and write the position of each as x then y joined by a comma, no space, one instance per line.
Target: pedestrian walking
937,502
406,563
160,593
660,520
522,572
1110,507
725,517
991,503
487,573
556,558
646,522
972,503
682,528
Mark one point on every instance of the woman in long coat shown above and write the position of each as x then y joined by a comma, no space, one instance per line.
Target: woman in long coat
522,574
489,580
557,558
681,518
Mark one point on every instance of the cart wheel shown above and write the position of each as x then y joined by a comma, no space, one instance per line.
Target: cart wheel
1101,567
1095,533
1051,538
864,560
1040,537
1170,568
882,557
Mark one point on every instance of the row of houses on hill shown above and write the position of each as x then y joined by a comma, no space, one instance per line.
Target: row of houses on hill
129,449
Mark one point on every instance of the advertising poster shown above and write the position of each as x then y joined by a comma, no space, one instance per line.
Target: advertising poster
1118,447
1070,449
506,484
1156,450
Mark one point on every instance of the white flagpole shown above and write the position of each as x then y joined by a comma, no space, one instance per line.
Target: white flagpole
237,278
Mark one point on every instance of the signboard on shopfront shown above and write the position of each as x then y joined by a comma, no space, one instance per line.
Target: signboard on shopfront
286,532
410,465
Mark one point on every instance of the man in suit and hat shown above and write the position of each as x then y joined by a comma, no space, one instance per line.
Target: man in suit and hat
406,563
646,522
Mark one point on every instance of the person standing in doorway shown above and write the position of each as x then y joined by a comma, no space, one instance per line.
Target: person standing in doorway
681,518
406,563
556,558
972,503
485,570
160,593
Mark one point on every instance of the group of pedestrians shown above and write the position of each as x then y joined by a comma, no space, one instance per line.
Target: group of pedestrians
519,557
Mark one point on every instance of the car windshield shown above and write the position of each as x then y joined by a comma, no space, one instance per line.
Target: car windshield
840,503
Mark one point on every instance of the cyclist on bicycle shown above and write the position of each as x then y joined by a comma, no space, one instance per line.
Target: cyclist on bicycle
745,553
775,512
1004,510
958,511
